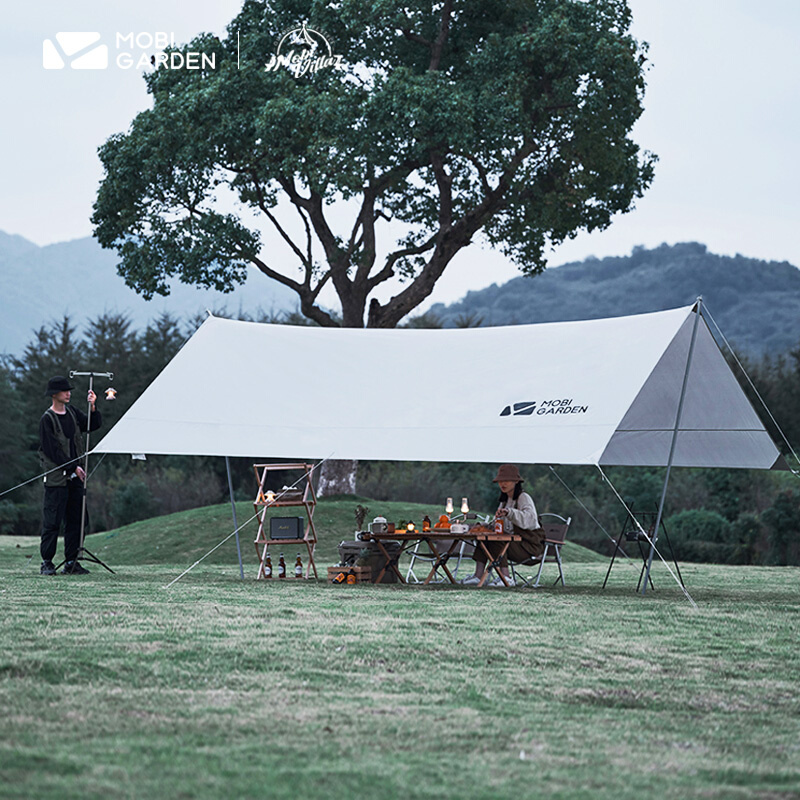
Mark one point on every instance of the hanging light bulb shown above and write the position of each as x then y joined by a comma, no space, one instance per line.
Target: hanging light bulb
464,505
449,505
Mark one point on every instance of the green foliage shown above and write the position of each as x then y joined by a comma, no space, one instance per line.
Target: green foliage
507,119
738,517
700,535
15,462
133,502
782,520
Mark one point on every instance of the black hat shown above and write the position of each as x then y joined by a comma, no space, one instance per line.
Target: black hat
56,384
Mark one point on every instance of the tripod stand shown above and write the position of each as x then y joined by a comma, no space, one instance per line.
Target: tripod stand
85,554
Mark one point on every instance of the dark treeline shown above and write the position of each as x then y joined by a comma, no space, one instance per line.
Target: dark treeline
724,516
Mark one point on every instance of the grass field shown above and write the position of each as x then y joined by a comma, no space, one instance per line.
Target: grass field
115,686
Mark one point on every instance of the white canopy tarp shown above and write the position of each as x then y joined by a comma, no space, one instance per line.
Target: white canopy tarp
592,392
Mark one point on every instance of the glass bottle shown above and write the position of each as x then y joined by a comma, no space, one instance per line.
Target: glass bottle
281,567
498,524
268,566
298,567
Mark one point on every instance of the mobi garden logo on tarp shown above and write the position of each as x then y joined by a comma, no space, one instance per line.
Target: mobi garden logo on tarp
303,50
542,408
142,50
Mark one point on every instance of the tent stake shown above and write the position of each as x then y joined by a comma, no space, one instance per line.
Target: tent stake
672,445
235,523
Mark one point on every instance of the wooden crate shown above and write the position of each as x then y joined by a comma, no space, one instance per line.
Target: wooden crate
363,574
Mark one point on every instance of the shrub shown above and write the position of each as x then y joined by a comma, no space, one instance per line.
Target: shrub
132,502
701,535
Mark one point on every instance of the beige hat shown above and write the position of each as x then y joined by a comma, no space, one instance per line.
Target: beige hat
507,472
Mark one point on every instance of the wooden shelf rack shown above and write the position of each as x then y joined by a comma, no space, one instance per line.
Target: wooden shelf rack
300,496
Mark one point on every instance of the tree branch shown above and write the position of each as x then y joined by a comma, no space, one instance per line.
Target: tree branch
411,36
366,220
307,296
273,219
438,46
388,268
312,205
481,171
448,244
445,184
271,273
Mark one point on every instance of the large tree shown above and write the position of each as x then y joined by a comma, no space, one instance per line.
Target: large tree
509,118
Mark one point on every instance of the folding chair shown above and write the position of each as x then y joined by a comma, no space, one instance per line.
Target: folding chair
422,552
555,532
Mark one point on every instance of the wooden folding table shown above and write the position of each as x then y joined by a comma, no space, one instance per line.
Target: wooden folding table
431,538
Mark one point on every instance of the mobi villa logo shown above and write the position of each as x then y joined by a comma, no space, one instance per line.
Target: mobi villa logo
143,50
303,50
541,408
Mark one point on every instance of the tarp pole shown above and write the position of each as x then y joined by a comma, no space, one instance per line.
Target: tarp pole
235,523
672,445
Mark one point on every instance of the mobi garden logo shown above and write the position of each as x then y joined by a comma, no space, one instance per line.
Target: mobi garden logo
303,50
81,50
541,408
143,50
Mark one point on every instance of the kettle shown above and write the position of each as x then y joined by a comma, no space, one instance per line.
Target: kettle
379,525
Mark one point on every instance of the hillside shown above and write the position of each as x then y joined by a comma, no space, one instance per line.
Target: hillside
185,536
756,303
79,278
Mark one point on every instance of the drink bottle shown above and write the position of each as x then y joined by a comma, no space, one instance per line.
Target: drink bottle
351,577
498,525
268,566
281,567
298,567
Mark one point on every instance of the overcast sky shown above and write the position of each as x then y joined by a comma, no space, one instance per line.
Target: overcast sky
722,113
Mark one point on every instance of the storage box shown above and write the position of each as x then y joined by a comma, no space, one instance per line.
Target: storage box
362,574
352,551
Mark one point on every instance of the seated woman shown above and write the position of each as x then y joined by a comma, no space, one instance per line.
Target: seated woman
519,516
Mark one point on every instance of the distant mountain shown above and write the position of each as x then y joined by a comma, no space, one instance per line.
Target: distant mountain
79,278
756,303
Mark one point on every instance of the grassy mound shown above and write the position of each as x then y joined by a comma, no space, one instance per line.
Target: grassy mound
184,537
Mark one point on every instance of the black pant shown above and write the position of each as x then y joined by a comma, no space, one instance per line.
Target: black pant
62,504
532,545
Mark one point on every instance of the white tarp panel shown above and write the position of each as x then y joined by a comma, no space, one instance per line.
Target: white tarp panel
550,393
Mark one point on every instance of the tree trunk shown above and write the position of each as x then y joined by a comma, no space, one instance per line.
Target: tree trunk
337,476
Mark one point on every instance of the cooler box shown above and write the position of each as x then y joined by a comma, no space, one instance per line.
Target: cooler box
368,554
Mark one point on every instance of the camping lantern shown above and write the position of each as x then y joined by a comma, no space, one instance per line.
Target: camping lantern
449,505
464,505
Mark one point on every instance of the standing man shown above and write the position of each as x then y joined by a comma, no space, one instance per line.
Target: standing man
61,447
